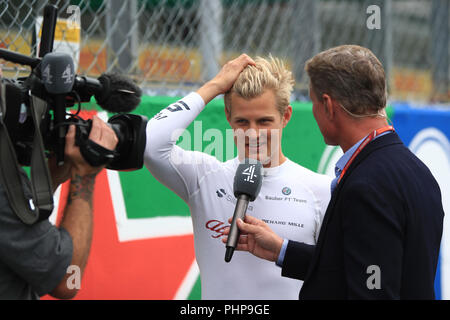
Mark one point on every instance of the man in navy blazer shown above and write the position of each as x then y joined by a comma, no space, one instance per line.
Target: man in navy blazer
380,236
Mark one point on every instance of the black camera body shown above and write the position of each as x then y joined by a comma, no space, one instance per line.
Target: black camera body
128,155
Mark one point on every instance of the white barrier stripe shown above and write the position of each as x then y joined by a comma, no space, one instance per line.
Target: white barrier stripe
188,282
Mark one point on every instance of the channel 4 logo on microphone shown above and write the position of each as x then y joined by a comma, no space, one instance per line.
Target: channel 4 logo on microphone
250,173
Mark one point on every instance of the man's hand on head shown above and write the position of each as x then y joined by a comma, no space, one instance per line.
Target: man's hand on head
225,79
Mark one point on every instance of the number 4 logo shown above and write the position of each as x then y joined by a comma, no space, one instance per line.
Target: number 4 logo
250,173
68,74
46,76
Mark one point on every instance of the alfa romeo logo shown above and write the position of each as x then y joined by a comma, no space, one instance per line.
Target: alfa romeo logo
286,191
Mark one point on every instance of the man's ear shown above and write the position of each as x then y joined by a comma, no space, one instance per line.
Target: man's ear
287,115
329,105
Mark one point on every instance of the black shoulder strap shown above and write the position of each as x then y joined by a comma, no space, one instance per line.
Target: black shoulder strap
40,175
41,206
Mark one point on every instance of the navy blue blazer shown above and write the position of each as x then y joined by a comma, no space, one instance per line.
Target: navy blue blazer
381,233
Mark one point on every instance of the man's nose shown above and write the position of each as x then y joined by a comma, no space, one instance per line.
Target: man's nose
252,133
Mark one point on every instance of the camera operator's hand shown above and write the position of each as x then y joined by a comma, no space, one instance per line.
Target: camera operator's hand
74,162
101,134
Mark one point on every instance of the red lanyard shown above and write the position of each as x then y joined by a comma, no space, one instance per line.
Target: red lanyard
366,141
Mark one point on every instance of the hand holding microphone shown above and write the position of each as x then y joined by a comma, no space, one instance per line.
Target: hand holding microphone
259,239
247,184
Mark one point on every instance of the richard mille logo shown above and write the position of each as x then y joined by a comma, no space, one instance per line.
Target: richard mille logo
284,223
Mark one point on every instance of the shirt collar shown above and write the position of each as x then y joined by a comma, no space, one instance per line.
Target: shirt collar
340,164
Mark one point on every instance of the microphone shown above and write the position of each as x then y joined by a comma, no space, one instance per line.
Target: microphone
113,92
246,186
57,70
58,74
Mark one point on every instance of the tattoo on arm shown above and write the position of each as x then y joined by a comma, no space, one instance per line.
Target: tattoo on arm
82,187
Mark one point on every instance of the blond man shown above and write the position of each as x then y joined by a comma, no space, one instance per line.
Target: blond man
292,199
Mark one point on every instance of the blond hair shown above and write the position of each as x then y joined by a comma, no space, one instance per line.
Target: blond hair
353,76
267,74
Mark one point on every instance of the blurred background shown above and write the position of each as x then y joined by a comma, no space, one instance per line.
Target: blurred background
143,239
171,46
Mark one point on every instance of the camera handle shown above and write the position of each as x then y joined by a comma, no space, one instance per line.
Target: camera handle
40,207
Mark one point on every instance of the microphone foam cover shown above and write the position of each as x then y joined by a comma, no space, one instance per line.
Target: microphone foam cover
248,179
120,94
58,72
